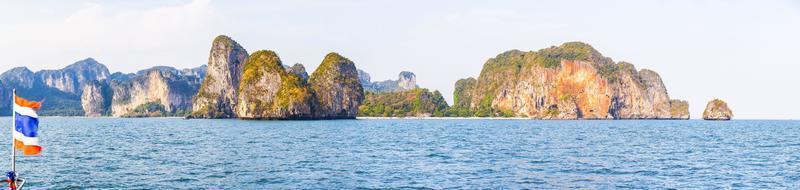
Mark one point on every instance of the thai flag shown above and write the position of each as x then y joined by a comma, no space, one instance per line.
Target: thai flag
26,126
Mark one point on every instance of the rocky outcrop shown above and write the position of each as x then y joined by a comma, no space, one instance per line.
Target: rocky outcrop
96,98
268,91
271,90
717,110
299,70
217,96
199,72
640,95
462,94
364,79
405,81
571,81
679,109
163,88
336,87
156,92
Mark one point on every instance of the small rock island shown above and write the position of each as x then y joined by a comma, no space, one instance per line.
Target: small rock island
717,110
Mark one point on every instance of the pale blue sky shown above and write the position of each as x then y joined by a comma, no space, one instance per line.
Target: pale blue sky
742,51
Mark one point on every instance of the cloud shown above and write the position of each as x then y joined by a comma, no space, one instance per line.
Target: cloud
127,36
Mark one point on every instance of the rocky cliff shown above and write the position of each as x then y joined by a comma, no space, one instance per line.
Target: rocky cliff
217,96
462,94
299,70
165,88
679,109
717,110
96,98
268,91
156,92
336,87
364,79
571,81
405,81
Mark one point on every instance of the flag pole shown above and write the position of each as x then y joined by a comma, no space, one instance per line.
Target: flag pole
13,142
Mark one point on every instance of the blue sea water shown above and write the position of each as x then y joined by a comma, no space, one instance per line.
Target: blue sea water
169,153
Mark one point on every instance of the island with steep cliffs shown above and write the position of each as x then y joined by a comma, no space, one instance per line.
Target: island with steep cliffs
260,86
717,109
570,81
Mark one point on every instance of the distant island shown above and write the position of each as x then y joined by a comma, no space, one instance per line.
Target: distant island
570,81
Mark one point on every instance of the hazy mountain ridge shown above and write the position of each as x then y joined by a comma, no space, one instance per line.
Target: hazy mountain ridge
61,89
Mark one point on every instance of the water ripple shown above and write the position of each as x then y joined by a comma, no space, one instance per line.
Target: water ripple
412,154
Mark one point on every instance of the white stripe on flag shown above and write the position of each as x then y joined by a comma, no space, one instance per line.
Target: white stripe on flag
26,140
25,111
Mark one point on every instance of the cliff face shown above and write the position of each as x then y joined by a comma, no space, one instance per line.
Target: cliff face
679,109
155,92
462,94
717,110
217,96
572,81
641,95
268,91
405,81
364,79
96,98
299,70
337,89
170,93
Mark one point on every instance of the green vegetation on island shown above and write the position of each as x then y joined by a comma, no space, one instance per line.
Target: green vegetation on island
419,102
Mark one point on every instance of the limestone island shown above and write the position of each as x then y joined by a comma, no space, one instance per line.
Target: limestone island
717,109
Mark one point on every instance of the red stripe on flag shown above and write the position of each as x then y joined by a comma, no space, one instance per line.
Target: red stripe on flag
27,150
27,103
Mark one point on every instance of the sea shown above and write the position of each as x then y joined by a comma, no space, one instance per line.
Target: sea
173,153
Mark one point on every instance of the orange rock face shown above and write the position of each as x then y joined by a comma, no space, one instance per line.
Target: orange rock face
571,81
579,82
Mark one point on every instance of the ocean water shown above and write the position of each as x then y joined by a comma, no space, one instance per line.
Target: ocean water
169,153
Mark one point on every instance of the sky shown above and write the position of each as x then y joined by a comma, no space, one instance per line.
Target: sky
744,52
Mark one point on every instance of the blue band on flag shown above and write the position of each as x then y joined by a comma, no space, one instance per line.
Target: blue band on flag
26,125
